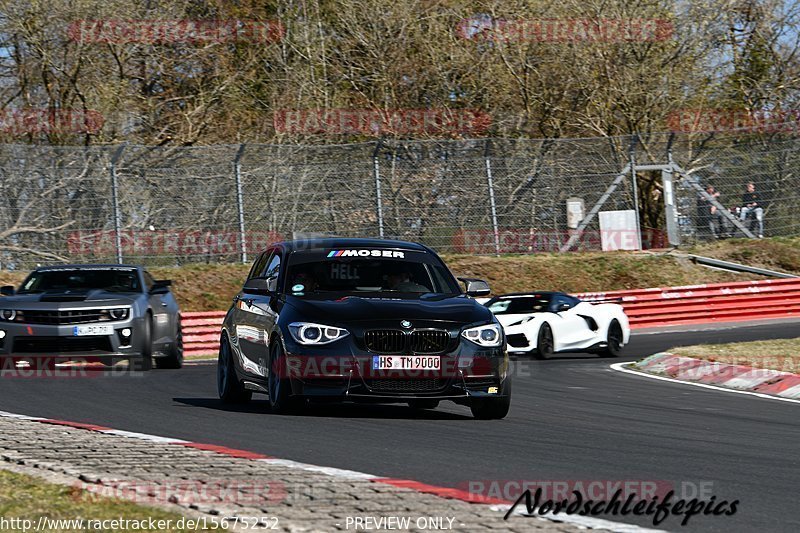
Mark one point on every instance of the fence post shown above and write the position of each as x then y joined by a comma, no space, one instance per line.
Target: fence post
632,161
237,172
376,167
115,201
490,183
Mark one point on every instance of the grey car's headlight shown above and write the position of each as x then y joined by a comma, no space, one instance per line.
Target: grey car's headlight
489,335
310,333
118,314
8,315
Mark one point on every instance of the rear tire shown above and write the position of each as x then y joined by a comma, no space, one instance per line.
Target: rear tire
174,358
545,344
145,362
281,400
613,340
229,387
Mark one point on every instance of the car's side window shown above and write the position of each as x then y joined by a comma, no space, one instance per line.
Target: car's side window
560,299
258,266
274,267
149,281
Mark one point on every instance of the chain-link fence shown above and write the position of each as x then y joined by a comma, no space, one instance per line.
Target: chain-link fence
169,206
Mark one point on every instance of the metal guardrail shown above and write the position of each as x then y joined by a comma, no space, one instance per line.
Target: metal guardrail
737,267
707,303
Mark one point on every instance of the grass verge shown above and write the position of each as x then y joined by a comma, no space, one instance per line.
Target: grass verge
778,354
28,498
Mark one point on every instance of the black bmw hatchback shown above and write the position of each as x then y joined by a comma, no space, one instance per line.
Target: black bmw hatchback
362,320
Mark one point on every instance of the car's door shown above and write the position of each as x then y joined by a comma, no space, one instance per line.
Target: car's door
240,313
158,301
256,316
570,330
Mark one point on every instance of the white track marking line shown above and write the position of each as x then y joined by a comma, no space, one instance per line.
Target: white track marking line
144,436
5,414
331,471
620,368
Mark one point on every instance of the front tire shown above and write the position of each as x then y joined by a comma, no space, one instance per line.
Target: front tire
229,387
545,343
493,408
614,340
174,358
145,362
281,400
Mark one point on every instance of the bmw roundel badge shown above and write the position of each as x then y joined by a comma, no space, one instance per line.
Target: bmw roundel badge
405,323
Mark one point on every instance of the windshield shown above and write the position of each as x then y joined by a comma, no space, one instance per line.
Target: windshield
520,306
368,275
115,280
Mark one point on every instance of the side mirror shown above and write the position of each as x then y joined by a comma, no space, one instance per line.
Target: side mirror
475,287
161,286
261,285
8,290
563,307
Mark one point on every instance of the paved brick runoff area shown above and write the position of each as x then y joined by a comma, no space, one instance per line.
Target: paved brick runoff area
292,498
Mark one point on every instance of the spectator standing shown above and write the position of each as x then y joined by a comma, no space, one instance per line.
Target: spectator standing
752,203
707,213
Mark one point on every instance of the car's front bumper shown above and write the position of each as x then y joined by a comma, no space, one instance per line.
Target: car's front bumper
464,374
518,341
59,342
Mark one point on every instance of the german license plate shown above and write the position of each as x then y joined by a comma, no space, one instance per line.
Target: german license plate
406,362
84,331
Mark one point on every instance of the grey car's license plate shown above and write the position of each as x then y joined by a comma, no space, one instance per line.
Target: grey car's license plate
91,330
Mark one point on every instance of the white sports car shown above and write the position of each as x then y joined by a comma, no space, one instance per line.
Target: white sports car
544,323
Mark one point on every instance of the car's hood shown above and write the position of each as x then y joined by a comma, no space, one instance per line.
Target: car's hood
450,309
55,299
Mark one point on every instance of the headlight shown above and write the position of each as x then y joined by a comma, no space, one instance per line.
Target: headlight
8,314
308,333
118,314
489,335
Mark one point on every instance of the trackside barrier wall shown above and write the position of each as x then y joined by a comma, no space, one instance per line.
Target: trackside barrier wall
660,306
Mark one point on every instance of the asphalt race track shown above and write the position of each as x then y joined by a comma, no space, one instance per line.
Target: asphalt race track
572,418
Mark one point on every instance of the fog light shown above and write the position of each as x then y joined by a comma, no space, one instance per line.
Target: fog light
2,334
126,332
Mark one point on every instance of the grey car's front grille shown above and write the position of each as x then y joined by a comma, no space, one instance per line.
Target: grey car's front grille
79,316
48,345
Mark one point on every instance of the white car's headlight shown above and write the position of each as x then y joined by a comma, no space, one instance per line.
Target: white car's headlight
309,333
489,335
